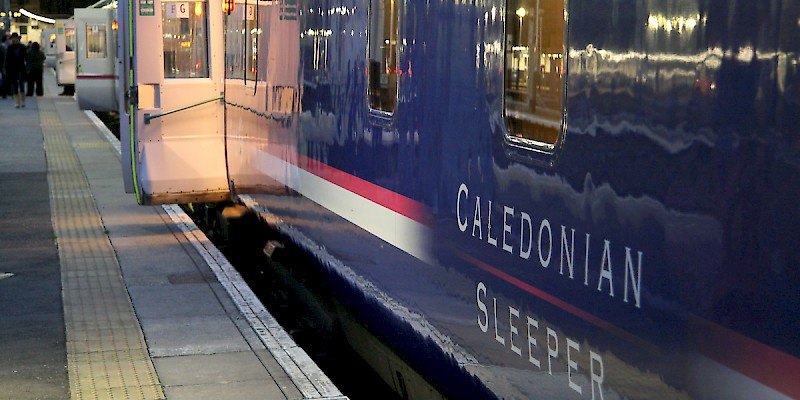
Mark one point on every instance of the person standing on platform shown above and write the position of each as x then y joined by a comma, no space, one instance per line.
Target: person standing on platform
15,69
35,64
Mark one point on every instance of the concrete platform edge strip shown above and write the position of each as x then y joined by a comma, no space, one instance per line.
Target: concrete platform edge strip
301,369
306,375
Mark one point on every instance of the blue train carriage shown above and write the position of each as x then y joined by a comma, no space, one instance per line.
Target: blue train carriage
96,76
522,198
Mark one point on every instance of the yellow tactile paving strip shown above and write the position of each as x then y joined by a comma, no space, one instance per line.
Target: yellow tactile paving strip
106,352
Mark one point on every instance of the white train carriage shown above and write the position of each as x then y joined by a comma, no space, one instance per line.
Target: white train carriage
49,46
65,52
96,78
172,104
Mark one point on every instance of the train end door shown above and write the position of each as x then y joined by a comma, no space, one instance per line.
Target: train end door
173,66
96,77
65,52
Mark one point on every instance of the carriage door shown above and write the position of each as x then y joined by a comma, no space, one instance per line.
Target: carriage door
173,67
96,77
65,52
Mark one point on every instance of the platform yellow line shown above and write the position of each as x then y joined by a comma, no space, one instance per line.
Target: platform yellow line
106,353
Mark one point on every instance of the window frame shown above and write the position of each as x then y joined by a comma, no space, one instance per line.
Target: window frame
250,58
206,25
525,149
104,43
235,43
381,116
70,39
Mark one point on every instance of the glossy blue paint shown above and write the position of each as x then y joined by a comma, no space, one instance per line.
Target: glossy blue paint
681,150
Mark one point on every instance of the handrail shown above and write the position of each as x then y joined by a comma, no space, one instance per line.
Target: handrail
148,117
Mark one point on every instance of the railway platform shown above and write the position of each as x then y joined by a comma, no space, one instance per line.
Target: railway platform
103,299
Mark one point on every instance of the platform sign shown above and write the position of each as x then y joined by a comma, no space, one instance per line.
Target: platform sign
147,8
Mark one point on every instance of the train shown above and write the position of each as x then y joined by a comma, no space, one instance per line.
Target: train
557,199
63,61
49,47
83,52
96,76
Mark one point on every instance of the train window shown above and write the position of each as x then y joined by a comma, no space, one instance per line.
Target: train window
251,49
235,43
69,36
185,39
242,38
534,71
382,54
96,41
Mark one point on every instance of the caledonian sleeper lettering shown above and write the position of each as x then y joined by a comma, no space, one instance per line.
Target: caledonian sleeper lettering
476,218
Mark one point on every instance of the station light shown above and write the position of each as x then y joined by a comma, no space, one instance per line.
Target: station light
228,6
29,14
114,25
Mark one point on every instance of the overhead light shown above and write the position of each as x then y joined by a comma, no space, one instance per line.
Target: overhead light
36,17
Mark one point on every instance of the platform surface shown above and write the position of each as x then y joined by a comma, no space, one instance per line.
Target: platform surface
103,299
